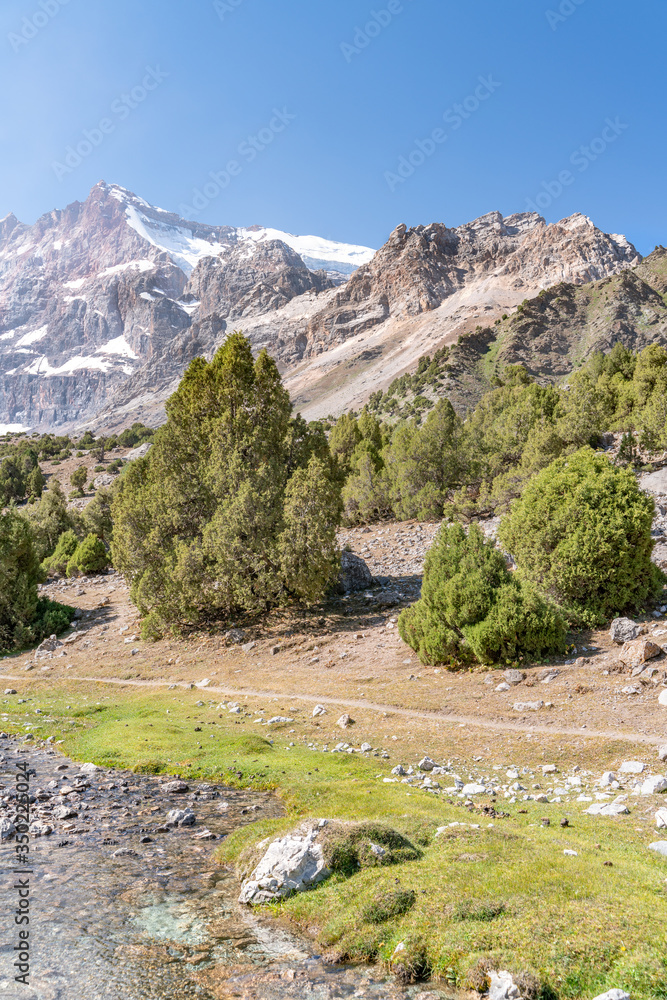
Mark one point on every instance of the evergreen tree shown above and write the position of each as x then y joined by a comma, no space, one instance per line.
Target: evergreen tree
205,525
50,518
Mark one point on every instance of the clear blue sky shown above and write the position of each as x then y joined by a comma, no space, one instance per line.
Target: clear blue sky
359,105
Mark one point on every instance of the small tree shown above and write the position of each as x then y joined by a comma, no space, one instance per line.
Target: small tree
581,531
473,608
79,477
90,556
35,482
65,549
50,518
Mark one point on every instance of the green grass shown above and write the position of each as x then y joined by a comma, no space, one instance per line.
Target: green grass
503,895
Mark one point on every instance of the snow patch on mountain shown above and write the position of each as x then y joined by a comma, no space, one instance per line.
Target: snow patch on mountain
118,345
315,252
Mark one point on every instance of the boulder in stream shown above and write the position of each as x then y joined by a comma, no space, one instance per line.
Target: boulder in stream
291,864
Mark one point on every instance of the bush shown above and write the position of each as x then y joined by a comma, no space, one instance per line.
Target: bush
90,556
389,904
50,518
473,608
65,549
347,847
24,618
79,477
581,532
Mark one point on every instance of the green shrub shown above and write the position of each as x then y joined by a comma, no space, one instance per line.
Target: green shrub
347,847
24,618
389,904
79,477
90,556
65,549
581,532
473,608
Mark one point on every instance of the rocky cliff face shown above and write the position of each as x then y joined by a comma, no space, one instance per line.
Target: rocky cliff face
104,303
104,293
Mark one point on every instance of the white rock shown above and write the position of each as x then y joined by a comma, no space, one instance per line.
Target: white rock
38,828
549,769
290,864
7,829
661,818
662,752
660,846
181,817
503,686
473,789
366,747
571,854
426,764
503,986
614,994
654,785
624,630
279,718
662,697
528,706
607,809
631,767
234,710
88,768
319,710
608,778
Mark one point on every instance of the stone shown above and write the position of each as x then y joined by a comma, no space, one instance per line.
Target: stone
235,636
662,752
607,809
659,846
528,706
319,710
474,789
624,630
502,986
88,768
40,829
662,697
608,778
354,573
614,994
181,817
65,812
631,767
10,691
7,829
175,787
661,818
399,769
291,864
654,785
205,834
503,686
125,852
426,764
549,769
513,676
344,721
248,646
138,452
48,646
639,651
366,748
279,718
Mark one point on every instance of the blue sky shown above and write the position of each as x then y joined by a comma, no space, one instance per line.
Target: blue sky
561,103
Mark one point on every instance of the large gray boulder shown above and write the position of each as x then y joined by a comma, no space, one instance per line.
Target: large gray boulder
292,864
354,573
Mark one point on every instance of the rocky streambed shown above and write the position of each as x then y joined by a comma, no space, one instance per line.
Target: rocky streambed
127,901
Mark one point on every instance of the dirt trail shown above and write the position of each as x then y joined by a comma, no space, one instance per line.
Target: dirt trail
466,720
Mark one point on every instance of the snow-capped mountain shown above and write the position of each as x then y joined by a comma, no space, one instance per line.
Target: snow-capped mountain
91,293
104,303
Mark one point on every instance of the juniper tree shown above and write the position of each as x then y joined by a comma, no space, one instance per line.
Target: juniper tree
235,506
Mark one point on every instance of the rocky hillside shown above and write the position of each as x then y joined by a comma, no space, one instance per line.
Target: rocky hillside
556,331
104,303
